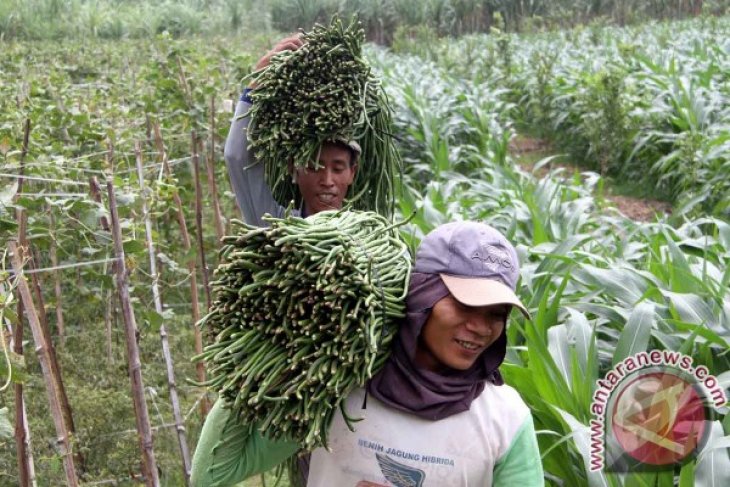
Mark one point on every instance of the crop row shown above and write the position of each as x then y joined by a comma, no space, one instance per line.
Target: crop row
600,287
646,105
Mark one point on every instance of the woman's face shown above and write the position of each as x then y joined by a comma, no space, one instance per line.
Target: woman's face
455,335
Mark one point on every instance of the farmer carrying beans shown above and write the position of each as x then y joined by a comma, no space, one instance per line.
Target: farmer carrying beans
438,413
322,189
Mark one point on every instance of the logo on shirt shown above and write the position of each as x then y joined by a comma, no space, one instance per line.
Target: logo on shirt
398,474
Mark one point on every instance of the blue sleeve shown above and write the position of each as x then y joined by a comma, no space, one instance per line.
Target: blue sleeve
246,96
253,195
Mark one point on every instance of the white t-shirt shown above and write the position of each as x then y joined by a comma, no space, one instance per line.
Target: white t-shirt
393,448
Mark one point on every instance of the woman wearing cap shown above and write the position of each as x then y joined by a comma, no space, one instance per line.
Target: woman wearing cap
321,189
438,413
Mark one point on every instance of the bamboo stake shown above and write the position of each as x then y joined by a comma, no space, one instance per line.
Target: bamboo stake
184,83
26,468
179,424
192,269
95,190
55,368
199,217
44,359
19,213
148,129
63,401
212,187
110,156
26,464
149,465
57,287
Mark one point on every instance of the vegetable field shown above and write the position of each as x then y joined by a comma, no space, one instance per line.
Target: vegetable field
113,181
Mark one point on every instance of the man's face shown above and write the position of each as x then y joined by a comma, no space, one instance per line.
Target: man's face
326,188
455,335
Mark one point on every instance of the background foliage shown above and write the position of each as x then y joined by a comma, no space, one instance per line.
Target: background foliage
117,19
647,102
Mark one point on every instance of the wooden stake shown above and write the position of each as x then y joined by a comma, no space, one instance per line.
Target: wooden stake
26,469
95,191
57,286
199,216
179,422
34,263
61,108
148,126
44,359
19,213
212,187
192,268
149,465
26,466
109,156
24,147
184,83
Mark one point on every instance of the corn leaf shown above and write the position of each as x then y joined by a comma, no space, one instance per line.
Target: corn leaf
581,334
582,439
691,308
635,336
623,285
559,349
713,463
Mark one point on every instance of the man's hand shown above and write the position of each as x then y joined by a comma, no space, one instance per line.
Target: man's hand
291,43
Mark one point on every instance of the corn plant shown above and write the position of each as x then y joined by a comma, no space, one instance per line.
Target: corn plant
601,287
648,104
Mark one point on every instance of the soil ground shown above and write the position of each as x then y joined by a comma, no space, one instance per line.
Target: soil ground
528,151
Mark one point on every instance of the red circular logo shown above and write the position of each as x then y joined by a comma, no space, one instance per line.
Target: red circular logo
659,418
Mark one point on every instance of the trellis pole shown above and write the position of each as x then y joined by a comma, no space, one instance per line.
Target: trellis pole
95,191
179,423
45,362
212,187
65,404
192,267
199,215
26,469
144,432
57,286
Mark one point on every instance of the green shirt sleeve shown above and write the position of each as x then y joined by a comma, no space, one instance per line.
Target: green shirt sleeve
228,452
521,464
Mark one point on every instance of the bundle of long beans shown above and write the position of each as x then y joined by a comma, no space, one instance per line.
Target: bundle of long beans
304,312
324,91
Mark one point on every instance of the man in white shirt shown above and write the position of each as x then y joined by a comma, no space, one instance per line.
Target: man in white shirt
438,414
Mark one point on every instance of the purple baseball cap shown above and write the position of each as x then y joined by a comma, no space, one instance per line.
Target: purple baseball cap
476,263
